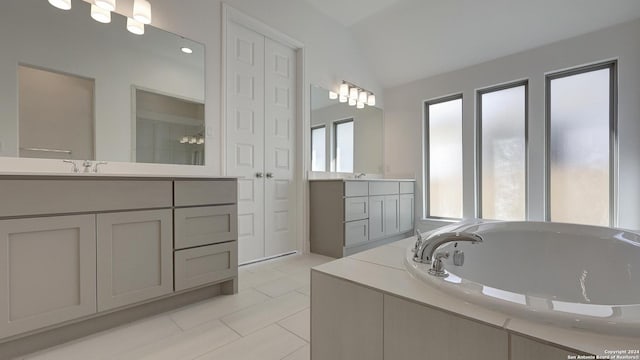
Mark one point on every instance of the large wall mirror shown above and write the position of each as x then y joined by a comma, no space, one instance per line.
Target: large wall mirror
344,138
74,88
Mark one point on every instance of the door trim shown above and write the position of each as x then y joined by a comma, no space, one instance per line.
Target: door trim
303,119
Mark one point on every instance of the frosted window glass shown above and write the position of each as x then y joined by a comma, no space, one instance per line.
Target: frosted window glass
445,159
503,154
579,153
344,147
318,149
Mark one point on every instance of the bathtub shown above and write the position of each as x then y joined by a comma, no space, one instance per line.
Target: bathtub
575,276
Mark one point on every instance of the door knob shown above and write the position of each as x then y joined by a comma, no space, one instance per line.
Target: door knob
259,175
269,175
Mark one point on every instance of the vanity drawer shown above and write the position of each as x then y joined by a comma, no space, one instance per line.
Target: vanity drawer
356,232
356,188
204,265
356,208
49,196
204,192
407,187
205,225
384,187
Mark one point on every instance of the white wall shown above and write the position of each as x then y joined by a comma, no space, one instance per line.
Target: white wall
331,55
404,113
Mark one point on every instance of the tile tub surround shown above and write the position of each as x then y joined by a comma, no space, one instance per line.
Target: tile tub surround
382,271
273,327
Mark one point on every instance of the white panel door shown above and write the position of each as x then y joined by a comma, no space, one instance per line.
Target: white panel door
245,134
280,114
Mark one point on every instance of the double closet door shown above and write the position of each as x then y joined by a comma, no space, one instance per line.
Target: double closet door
260,143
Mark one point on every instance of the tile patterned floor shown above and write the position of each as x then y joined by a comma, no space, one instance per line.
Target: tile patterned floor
267,320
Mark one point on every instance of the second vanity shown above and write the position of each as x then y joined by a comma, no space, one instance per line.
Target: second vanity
82,253
348,216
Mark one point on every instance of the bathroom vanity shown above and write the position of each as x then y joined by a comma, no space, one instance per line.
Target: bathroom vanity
348,216
82,253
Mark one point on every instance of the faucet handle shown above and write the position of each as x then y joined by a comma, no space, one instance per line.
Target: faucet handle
419,240
95,166
437,266
75,166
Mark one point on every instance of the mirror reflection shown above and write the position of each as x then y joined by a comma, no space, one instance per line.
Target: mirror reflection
344,138
74,88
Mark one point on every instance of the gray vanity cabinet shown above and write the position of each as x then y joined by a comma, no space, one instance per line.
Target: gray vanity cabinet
135,257
47,271
406,212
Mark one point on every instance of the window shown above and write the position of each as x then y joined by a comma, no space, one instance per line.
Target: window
444,157
318,148
580,140
344,145
502,124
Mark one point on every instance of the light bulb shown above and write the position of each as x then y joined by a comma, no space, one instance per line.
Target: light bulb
333,95
371,100
100,15
142,11
352,102
343,99
362,97
109,5
61,4
344,90
135,27
353,93
360,105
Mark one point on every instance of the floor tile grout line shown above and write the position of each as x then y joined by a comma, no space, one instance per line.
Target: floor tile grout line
294,334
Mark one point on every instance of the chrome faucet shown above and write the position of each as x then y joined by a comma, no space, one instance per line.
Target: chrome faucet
86,165
95,166
75,166
359,175
424,253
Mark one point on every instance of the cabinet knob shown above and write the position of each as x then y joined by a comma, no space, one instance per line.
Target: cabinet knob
269,175
259,175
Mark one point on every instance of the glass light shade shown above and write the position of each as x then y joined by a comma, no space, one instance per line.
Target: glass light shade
135,27
360,105
371,100
353,93
362,97
344,90
333,95
193,140
100,15
343,99
109,5
352,102
200,141
184,140
142,11
61,4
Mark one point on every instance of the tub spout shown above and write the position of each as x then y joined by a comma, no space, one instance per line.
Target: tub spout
424,253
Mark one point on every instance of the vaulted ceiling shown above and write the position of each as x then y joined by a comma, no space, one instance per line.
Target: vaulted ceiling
407,40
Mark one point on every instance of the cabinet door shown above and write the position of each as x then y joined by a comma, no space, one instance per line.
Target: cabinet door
392,214
134,257
48,268
406,212
377,225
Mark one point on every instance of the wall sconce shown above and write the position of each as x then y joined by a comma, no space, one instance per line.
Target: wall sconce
135,27
61,4
354,95
101,12
142,11
100,15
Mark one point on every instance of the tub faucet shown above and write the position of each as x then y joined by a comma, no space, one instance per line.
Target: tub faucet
424,254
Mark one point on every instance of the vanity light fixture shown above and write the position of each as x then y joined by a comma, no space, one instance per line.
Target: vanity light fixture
184,140
193,140
109,5
200,141
100,15
142,11
354,94
333,95
186,50
135,27
61,4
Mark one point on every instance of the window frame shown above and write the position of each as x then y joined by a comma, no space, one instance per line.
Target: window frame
334,142
612,65
325,145
426,151
478,148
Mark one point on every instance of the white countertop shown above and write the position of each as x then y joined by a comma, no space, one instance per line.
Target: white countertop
383,269
362,179
109,175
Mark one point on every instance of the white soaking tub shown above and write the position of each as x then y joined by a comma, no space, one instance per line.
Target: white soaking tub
576,276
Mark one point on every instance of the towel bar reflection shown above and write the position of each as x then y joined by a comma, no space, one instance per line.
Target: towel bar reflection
48,150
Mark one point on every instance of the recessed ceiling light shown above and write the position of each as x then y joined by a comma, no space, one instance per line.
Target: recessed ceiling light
186,50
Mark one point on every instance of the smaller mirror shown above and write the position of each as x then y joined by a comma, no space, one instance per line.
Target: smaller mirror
344,138
169,130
